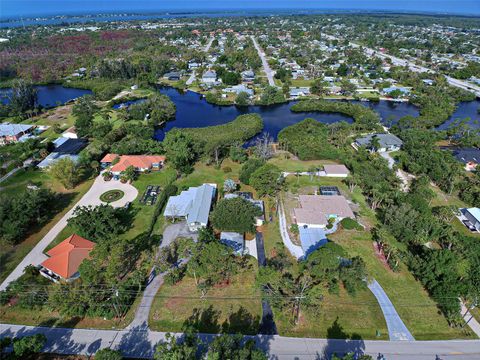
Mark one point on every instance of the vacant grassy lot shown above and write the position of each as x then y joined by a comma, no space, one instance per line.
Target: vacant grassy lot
43,316
12,255
233,308
340,317
419,313
291,165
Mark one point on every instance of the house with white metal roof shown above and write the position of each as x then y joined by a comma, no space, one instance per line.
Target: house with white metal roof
11,133
193,205
473,216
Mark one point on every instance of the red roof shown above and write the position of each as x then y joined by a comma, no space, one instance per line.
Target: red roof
109,158
137,161
66,257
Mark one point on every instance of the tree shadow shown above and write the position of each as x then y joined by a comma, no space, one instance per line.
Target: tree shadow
241,322
203,320
136,343
64,323
59,340
339,342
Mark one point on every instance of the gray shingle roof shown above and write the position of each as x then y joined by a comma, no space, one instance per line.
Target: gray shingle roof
384,139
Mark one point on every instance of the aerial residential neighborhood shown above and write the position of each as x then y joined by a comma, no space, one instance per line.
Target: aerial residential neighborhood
251,180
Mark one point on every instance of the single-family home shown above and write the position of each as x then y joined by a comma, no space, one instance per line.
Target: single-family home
71,133
237,89
473,217
388,142
334,170
172,75
469,157
193,65
248,76
209,77
298,92
11,133
64,148
317,210
141,163
192,205
259,220
234,240
65,259
403,91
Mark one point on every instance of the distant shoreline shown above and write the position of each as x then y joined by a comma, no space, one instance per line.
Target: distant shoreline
178,13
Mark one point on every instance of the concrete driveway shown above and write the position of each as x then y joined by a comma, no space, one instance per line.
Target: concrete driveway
92,197
171,232
396,328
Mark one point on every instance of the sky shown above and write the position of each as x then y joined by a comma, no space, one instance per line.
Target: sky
17,8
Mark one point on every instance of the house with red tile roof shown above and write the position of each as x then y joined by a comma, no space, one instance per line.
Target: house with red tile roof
65,259
141,163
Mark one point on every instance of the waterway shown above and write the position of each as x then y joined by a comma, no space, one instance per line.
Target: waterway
194,111
49,95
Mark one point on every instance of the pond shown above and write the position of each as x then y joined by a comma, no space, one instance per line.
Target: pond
195,111
50,95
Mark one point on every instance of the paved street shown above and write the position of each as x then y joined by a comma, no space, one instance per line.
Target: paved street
140,343
413,67
193,76
266,67
92,197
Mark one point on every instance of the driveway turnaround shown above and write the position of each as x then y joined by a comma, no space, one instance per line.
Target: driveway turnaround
396,328
140,343
92,197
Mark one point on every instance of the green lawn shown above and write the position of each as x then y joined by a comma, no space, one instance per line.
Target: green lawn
358,317
339,316
291,165
12,255
442,199
233,308
418,311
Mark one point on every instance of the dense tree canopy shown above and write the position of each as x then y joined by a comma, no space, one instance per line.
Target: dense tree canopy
236,215
23,211
308,140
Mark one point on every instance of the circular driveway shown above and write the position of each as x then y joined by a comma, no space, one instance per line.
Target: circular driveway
91,198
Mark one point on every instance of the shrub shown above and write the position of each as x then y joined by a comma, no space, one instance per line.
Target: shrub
350,224
108,354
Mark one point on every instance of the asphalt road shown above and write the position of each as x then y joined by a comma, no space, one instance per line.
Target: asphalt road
414,67
92,197
266,67
140,343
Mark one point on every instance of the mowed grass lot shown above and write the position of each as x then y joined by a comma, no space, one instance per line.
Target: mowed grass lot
419,313
12,255
234,307
48,318
339,316
417,310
